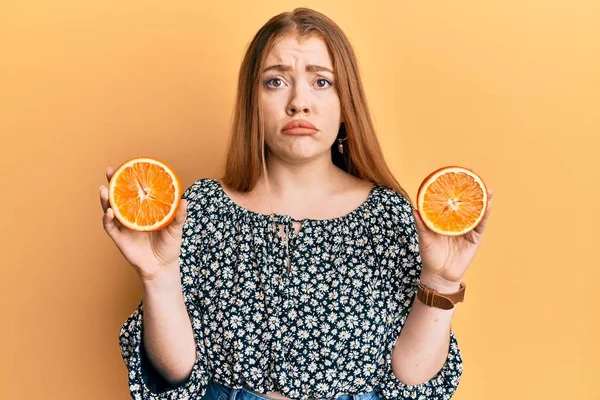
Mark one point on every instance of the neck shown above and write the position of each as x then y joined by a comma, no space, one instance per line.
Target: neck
314,177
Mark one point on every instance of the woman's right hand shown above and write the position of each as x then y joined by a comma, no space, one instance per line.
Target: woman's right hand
153,254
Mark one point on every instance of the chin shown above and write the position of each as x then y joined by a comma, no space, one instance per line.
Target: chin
303,154
301,148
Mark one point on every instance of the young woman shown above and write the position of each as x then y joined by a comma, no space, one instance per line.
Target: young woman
295,275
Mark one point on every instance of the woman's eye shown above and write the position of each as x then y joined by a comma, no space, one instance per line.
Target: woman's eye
323,83
275,83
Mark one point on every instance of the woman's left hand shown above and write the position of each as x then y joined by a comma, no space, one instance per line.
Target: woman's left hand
445,259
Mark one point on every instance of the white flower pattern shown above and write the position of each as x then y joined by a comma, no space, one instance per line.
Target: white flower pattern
323,329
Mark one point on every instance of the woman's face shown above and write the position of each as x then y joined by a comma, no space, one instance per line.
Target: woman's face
298,84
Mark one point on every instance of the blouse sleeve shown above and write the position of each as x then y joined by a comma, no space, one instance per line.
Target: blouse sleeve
145,383
404,269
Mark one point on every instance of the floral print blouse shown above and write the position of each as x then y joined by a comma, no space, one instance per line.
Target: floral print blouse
313,314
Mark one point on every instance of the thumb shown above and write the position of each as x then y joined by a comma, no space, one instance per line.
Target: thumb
181,213
425,234
418,221
175,227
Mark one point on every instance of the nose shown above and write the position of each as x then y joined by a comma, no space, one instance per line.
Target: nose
299,102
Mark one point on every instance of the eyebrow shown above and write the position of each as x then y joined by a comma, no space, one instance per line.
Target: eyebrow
284,68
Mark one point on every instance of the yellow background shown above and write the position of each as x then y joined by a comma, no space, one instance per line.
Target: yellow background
510,88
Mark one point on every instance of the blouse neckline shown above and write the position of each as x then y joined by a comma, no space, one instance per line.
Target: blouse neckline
229,201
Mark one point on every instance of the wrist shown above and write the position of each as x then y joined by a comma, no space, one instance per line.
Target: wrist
438,283
167,281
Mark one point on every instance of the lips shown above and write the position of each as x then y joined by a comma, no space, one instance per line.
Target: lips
299,127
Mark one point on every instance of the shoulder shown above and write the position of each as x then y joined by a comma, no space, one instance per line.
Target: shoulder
394,209
391,200
205,197
200,189
205,202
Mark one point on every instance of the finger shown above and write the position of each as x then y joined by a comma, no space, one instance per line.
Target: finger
418,220
109,173
426,236
181,212
104,198
490,193
104,201
481,226
110,224
106,206
180,216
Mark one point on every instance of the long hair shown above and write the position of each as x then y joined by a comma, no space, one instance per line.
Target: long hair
246,157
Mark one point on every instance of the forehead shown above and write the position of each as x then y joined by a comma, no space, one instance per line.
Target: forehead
311,50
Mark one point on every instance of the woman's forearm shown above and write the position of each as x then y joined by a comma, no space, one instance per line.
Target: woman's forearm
422,347
168,336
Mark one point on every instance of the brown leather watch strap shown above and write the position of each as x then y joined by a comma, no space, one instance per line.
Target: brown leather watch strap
438,300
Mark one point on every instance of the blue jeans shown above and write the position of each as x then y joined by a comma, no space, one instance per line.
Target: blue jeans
216,391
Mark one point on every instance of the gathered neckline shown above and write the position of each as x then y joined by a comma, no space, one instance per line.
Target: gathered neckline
245,210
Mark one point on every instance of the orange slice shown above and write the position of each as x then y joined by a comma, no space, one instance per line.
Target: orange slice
452,200
144,194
